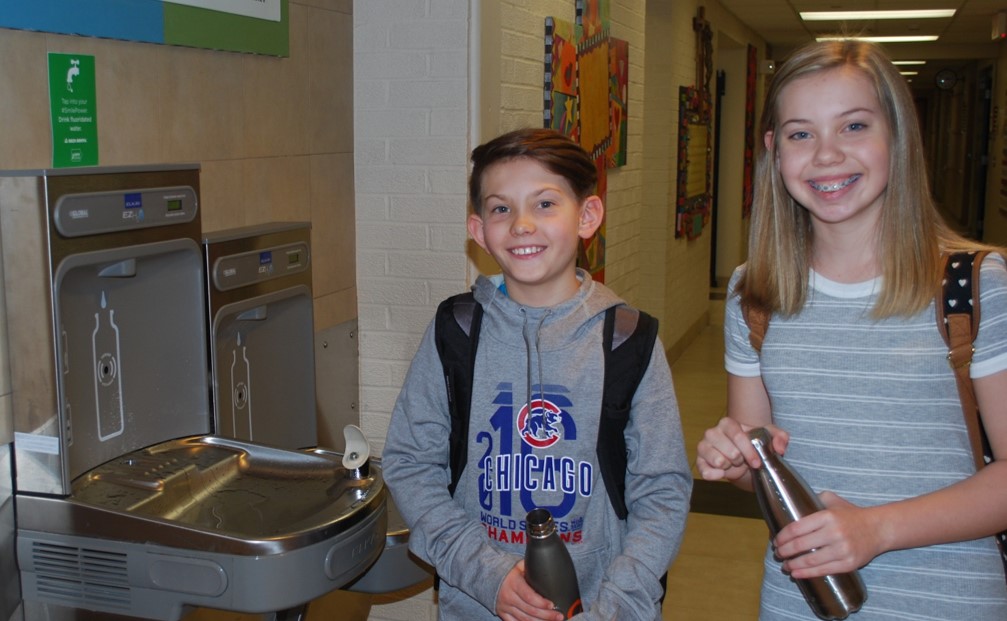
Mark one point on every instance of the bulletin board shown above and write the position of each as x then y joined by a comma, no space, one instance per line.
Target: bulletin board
254,26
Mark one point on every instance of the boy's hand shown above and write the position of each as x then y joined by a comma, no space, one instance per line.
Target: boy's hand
517,601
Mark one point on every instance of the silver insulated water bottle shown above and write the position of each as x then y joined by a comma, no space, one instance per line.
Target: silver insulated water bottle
547,564
785,497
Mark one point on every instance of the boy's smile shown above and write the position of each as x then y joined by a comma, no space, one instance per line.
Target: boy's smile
531,223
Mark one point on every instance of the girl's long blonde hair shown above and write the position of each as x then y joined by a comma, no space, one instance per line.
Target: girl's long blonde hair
911,234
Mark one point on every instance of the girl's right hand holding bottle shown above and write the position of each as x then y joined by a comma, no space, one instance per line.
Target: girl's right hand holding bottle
726,452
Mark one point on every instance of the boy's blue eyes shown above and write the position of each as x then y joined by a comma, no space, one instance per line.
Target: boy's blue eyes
506,209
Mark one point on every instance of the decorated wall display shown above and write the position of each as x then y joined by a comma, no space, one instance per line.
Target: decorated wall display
587,98
695,162
695,139
747,187
256,26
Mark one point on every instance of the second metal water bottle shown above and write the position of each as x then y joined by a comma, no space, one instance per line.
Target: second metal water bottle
548,566
785,497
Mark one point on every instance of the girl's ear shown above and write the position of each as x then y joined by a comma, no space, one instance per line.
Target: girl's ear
768,141
592,212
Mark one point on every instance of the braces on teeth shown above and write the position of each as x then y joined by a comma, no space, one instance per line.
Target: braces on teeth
835,186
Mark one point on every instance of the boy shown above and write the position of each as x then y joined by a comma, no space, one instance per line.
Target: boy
534,413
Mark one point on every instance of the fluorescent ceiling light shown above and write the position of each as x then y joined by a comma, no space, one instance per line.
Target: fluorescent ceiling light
908,39
909,62
909,72
819,16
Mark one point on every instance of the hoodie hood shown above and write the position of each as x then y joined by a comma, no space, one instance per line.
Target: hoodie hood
557,326
536,332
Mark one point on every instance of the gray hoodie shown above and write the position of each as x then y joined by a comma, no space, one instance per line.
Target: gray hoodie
520,458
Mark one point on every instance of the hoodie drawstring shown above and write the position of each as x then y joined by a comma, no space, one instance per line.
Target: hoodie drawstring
529,349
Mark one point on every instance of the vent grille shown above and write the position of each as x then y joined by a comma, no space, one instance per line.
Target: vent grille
81,576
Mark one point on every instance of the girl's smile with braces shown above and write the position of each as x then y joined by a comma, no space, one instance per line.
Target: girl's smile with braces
834,187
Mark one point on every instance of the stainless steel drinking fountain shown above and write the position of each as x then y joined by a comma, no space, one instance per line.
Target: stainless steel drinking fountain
126,501
263,361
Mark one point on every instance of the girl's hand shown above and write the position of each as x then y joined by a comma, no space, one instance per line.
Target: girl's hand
726,452
839,539
517,601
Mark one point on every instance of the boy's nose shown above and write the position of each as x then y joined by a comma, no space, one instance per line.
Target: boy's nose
522,225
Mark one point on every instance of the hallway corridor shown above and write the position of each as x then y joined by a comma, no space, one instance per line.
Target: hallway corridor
718,571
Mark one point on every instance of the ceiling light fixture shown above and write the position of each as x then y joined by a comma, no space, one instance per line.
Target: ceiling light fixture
909,62
820,16
907,39
909,72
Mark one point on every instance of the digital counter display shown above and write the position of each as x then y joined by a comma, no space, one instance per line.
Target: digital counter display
293,258
174,205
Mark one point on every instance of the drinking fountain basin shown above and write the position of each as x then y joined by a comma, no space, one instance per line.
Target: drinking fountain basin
203,521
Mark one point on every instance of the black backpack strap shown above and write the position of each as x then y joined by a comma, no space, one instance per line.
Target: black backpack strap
456,333
629,337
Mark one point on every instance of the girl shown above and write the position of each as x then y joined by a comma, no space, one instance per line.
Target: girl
852,379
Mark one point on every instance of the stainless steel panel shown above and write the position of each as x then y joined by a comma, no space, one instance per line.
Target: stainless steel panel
261,333
212,493
337,370
10,585
28,295
132,350
32,248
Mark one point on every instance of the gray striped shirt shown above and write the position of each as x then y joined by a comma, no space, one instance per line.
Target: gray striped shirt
874,416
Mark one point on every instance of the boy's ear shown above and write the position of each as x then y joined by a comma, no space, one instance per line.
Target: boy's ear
592,212
475,227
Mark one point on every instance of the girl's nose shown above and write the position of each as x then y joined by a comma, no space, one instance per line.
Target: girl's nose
828,153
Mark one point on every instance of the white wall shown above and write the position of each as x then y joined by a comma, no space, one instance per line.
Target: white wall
412,102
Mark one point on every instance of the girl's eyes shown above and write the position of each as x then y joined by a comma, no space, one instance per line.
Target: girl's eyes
855,126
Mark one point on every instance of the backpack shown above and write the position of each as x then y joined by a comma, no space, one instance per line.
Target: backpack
628,339
958,322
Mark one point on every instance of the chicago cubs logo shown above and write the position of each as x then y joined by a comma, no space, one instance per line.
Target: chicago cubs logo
538,423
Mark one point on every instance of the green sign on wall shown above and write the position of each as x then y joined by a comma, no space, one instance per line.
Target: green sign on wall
73,110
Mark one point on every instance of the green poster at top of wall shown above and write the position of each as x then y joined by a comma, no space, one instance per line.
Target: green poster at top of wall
73,110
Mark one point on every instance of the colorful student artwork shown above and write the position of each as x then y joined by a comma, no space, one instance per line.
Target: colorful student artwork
695,138
587,98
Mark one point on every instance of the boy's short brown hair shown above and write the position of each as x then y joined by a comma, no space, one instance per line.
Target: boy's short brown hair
558,153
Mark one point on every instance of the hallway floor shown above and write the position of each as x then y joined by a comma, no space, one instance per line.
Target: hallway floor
719,569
